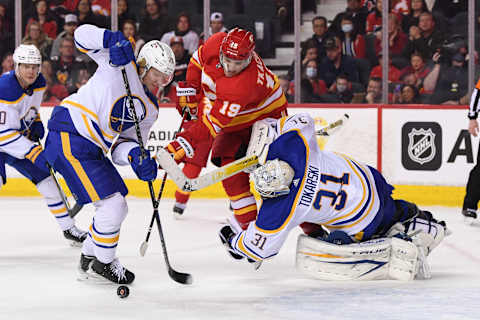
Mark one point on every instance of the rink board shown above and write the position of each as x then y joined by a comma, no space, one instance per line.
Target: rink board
425,151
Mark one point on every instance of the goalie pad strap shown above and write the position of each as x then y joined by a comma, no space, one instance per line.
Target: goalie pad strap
384,258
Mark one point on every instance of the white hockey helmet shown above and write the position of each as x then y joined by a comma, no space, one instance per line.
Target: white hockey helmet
28,54
158,55
273,179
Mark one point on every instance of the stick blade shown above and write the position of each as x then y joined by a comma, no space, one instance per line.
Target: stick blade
143,248
180,277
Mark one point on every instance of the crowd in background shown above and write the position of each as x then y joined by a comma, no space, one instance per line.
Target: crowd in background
339,63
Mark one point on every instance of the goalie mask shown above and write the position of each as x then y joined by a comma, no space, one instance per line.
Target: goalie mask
273,179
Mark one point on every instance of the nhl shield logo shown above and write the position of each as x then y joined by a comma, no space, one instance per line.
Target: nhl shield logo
421,145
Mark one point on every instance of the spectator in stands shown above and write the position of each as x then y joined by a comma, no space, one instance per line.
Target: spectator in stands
424,38
216,25
335,63
129,29
393,73
71,23
450,8
7,63
55,92
358,13
418,68
417,7
182,58
36,36
340,92
6,32
397,41
353,43
183,29
449,83
374,91
45,17
65,66
320,34
153,25
312,86
285,84
374,18
309,52
86,16
408,94
123,13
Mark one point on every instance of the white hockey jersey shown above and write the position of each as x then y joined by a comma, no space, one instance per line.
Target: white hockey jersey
19,108
328,189
99,110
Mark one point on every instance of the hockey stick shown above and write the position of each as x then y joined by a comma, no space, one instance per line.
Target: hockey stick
179,277
169,165
144,245
328,130
72,212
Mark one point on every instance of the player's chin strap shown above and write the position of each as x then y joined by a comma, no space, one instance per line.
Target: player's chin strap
165,161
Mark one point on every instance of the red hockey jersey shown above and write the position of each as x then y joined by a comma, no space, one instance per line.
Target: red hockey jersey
238,101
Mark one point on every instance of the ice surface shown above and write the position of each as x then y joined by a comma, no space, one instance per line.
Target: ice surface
38,273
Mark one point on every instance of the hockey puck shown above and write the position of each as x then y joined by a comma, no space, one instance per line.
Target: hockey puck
123,292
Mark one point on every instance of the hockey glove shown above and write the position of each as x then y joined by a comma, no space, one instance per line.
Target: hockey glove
37,131
121,50
145,169
187,100
179,148
226,235
37,156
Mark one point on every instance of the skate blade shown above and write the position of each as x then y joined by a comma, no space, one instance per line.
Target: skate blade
93,278
178,216
469,221
75,244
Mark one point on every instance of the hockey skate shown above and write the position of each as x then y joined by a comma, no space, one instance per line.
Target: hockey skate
75,235
470,215
108,272
84,265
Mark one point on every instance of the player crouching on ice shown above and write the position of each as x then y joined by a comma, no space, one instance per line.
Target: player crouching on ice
370,235
82,131
21,93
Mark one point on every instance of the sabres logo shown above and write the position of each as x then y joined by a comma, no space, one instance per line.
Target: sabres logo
121,116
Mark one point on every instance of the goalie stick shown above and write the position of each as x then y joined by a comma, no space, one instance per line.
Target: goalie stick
167,163
180,277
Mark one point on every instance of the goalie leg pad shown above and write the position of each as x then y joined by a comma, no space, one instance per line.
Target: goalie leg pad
384,258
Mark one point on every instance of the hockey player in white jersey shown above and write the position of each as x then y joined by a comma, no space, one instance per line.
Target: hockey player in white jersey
96,120
21,93
352,201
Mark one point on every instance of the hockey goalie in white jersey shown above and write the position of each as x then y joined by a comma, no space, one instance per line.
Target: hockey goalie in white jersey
96,120
369,235
21,93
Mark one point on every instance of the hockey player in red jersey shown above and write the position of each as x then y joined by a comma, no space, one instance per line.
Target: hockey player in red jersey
193,166
242,90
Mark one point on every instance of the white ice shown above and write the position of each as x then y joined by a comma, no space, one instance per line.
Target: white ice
38,273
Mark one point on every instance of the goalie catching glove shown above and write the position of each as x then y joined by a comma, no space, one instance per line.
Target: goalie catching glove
187,100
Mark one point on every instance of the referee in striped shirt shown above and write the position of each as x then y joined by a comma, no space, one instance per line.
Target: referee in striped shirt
473,185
